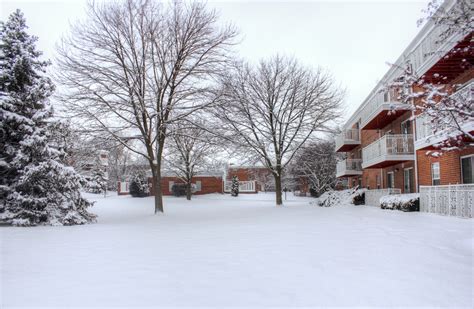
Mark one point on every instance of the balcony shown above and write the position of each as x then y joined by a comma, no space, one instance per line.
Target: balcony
380,110
388,150
428,55
426,138
349,167
347,140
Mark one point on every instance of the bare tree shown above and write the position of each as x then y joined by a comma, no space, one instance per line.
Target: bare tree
316,162
189,152
135,67
272,109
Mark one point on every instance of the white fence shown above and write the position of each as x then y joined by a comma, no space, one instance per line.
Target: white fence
372,197
123,187
244,186
450,200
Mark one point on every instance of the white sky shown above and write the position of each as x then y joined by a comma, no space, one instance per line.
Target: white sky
351,39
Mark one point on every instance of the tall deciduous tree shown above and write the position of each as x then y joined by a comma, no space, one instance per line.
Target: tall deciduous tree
135,67
274,108
36,187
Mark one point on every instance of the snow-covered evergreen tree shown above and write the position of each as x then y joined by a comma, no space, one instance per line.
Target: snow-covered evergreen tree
234,189
98,180
36,187
139,185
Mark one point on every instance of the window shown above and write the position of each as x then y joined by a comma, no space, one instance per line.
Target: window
435,175
198,185
406,127
170,186
377,181
407,180
467,171
390,180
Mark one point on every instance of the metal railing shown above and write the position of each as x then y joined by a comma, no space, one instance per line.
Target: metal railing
348,165
372,197
390,144
244,186
448,200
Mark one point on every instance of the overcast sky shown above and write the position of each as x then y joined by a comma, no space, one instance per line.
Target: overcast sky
351,39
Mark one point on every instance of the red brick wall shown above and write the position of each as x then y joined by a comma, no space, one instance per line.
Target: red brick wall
249,173
449,165
209,184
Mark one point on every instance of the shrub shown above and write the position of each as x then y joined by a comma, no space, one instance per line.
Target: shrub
403,202
329,198
178,189
358,197
234,190
139,186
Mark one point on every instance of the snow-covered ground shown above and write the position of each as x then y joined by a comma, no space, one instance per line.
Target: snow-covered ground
222,251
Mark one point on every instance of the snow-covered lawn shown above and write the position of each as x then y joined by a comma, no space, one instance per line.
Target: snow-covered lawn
222,251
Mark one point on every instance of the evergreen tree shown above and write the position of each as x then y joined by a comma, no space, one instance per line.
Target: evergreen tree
139,186
234,189
36,187
98,181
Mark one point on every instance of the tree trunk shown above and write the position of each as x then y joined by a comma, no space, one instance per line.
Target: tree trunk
156,171
188,191
278,190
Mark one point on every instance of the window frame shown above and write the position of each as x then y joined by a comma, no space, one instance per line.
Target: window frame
432,174
472,167
403,123
392,182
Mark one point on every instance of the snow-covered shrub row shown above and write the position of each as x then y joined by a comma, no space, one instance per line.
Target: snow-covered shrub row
343,197
403,202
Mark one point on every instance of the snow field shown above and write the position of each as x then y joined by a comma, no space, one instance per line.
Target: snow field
222,251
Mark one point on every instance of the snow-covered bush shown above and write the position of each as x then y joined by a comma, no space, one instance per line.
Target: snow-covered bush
329,198
342,197
36,185
403,202
139,186
178,189
234,189
358,197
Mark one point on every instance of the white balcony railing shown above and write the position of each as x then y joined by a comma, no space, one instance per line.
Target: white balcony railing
372,197
424,128
431,48
348,137
390,147
381,102
244,186
450,200
349,167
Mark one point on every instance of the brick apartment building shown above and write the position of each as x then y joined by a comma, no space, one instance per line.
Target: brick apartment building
252,179
386,142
